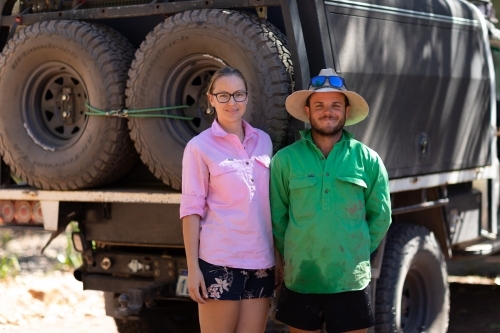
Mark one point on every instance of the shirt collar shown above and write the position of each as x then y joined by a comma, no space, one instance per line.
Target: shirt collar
306,135
217,130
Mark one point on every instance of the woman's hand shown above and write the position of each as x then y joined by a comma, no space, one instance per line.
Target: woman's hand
195,283
191,231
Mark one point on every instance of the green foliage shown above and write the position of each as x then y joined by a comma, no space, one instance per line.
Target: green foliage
67,259
5,237
9,265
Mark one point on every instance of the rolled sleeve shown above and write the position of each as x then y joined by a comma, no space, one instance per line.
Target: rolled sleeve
194,183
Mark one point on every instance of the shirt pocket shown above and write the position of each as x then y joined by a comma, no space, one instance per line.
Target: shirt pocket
261,169
350,197
304,197
227,183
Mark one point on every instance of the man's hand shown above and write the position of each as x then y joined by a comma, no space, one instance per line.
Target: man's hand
195,283
278,270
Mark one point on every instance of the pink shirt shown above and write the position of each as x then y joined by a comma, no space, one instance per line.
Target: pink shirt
226,182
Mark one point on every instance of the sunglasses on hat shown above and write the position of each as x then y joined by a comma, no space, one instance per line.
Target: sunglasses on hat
335,81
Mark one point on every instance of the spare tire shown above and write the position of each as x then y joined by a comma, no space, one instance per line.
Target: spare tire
174,66
48,71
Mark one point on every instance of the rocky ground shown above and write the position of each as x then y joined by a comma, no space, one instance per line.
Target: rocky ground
39,294
52,303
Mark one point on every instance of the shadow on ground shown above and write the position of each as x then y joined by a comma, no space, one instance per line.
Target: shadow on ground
474,308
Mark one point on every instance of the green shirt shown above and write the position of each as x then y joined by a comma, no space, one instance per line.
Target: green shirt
328,214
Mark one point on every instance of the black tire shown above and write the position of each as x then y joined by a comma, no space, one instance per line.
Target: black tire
42,147
412,292
173,67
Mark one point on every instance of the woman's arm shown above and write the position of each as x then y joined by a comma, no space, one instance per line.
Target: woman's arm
191,231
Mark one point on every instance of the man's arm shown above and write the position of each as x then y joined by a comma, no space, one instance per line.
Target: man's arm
378,204
279,195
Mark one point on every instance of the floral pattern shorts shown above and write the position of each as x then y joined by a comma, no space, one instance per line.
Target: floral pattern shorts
226,283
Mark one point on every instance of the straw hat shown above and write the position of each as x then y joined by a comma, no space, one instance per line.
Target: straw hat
296,102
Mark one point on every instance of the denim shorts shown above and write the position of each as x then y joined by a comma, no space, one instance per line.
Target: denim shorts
227,283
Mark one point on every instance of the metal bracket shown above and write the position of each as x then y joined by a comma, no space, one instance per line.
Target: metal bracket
261,12
106,210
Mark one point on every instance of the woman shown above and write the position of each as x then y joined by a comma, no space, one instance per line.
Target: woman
226,216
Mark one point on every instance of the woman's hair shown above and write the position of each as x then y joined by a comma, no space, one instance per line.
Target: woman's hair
225,71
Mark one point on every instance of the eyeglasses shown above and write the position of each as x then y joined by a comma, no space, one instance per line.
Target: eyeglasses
335,81
238,96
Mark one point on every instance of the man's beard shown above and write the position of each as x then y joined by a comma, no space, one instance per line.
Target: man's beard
327,132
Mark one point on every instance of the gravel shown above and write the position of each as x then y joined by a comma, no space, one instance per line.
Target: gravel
43,296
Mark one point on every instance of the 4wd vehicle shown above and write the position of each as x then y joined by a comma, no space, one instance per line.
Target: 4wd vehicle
89,86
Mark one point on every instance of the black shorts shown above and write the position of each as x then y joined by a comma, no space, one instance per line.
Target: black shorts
341,312
226,283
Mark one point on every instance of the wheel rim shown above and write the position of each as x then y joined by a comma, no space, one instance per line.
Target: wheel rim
54,106
413,303
187,84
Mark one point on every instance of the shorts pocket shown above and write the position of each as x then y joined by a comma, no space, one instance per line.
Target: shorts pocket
226,182
304,197
350,197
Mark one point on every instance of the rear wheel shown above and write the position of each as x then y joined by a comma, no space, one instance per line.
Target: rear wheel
175,64
49,71
412,294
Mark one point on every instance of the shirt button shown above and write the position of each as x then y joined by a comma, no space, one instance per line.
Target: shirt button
251,180
247,163
327,174
326,191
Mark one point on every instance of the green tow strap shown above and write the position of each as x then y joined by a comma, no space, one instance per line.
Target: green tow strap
142,113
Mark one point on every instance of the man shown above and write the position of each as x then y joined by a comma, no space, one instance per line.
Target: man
330,209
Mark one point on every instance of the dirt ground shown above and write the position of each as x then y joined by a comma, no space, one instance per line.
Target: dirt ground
43,299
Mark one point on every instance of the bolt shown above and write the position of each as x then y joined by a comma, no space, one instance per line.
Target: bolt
65,114
106,263
147,267
123,301
64,97
157,272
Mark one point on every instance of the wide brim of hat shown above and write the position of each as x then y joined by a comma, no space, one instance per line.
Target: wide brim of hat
296,102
